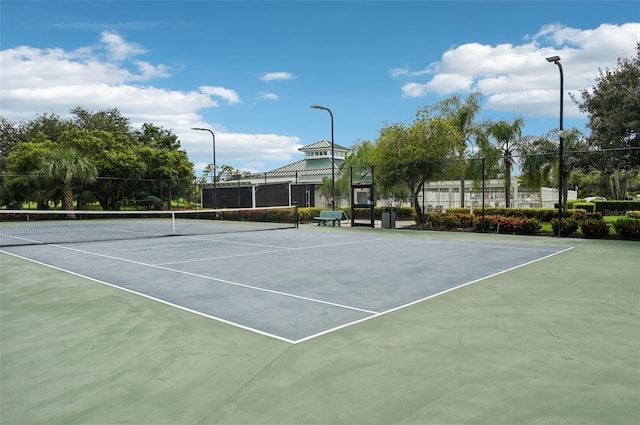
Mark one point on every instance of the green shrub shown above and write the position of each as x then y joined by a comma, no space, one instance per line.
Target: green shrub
627,228
443,221
569,226
582,215
485,224
502,224
595,228
451,221
540,214
505,224
467,221
587,206
633,214
527,226
152,203
306,214
616,207
405,213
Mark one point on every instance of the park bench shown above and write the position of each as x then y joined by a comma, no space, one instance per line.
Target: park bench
328,215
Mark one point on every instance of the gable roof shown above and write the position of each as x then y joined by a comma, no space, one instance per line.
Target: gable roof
307,167
322,144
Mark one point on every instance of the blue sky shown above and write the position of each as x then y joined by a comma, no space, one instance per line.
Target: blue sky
249,70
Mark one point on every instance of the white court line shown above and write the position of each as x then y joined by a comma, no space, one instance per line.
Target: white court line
280,249
496,245
160,300
20,238
229,282
224,257
428,297
307,338
231,242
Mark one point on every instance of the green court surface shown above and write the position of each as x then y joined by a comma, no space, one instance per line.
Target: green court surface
555,341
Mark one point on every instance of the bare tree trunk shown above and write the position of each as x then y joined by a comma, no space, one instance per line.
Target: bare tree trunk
67,199
416,204
418,210
507,186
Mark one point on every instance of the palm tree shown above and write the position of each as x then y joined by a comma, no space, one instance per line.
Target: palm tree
508,136
541,160
64,168
463,114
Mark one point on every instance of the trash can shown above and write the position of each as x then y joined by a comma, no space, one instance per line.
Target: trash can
388,218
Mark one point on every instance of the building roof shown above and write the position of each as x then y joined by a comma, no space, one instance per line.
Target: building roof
307,167
323,144
310,166
313,168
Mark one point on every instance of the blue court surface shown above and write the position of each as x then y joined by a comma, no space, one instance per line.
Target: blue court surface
289,284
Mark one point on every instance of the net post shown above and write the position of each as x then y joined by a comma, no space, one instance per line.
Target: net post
173,222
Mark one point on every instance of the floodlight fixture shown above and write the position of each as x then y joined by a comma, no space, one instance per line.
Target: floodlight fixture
213,173
556,60
333,167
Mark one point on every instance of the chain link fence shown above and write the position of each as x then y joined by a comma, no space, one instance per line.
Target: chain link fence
513,181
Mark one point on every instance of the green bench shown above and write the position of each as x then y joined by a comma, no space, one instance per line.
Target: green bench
329,215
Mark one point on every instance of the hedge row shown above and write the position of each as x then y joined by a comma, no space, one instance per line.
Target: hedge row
540,214
606,207
509,220
487,223
592,225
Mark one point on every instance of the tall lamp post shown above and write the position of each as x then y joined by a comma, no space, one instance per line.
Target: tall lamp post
213,174
333,168
556,60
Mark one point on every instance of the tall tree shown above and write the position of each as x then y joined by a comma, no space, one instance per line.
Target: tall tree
67,168
613,110
110,120
414,155
10,136
463,114
358,162
157,137
21,183
507,136
541,162
131,164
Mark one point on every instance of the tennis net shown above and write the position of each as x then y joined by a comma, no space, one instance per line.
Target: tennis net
36,227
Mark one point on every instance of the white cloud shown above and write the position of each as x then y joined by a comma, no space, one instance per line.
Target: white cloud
517,78
250,151
229,95
117,48
37,81
439,84
277,76
268,96
399,72
149,71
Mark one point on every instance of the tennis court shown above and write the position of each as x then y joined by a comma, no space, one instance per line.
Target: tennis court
288,284
321,325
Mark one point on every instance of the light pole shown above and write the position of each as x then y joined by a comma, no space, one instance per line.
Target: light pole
213,174
556,60
333,168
